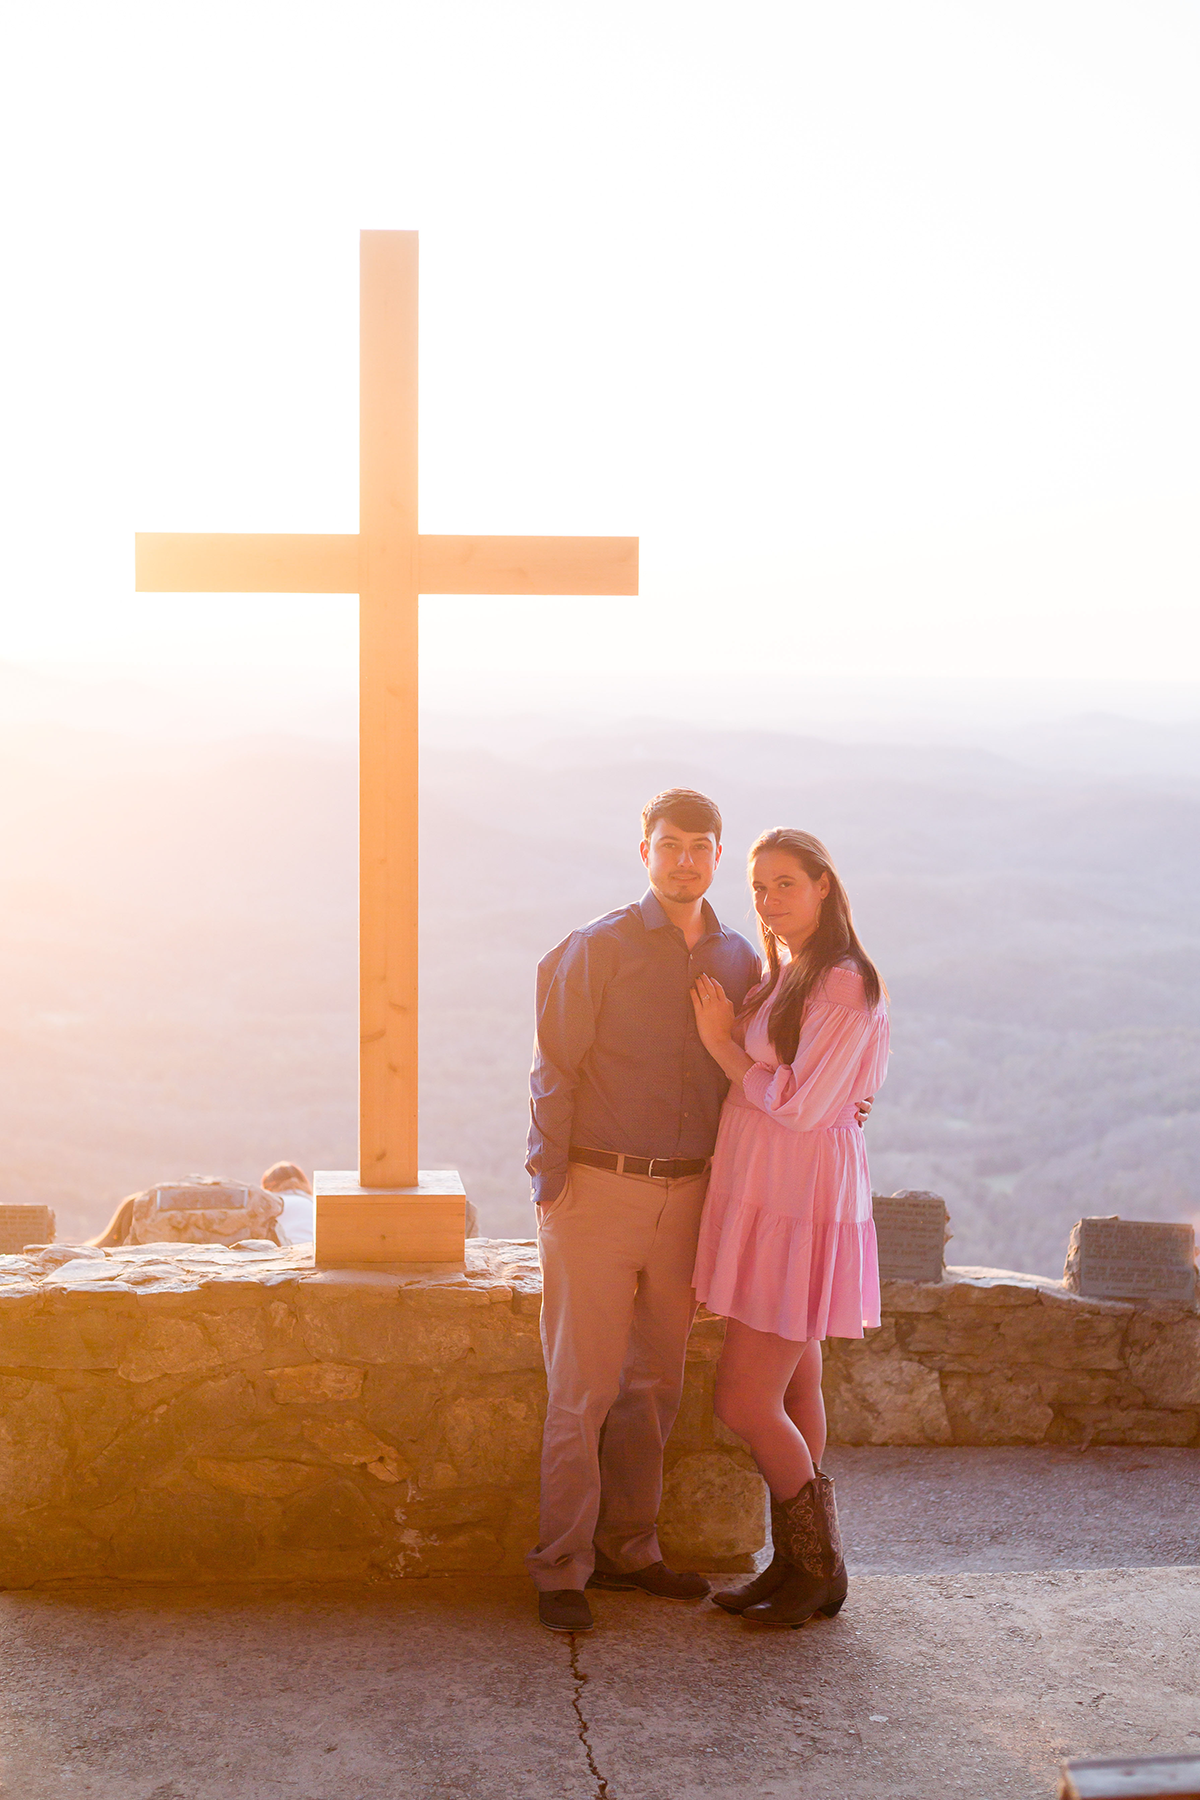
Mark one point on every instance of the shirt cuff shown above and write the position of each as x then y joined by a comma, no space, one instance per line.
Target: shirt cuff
548,1184
756,1085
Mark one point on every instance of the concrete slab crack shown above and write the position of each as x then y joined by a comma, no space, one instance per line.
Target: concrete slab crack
579,1676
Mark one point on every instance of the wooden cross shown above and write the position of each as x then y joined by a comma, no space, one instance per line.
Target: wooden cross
388,563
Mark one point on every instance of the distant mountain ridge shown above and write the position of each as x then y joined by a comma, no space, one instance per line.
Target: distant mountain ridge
179,958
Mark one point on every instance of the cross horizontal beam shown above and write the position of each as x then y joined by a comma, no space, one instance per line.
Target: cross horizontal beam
170,562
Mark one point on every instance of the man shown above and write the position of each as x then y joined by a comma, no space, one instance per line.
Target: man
625,1102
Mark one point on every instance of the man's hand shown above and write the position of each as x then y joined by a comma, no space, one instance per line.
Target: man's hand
864,1109
714,1014
543,1207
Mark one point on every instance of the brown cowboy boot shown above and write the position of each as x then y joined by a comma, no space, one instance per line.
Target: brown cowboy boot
808,1537
736,1600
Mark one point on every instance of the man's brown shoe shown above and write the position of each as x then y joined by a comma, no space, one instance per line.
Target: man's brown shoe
655,1578
565,1609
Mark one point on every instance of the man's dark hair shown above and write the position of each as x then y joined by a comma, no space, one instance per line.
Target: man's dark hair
684,807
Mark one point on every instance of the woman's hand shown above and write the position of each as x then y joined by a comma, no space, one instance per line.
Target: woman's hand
714,1022
714,1014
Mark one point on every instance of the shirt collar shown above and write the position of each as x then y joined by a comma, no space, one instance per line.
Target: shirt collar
654,918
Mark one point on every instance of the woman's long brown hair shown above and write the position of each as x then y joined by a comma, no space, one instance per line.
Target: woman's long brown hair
834,940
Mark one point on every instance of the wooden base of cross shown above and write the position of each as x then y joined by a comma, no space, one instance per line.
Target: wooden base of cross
425,1223
388,1212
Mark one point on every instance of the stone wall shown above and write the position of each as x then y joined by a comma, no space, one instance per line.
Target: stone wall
992,1357
192,1413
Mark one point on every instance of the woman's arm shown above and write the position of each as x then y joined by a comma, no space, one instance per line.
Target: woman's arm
714,1022
833,1059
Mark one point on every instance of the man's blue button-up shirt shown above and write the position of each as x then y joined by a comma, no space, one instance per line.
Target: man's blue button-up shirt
618,1064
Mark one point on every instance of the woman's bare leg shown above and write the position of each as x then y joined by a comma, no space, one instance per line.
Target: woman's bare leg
804,1402
753,1376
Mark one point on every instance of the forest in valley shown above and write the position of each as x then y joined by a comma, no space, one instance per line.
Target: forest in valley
179,956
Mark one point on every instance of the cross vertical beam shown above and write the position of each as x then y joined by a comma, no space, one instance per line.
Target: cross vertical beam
388,577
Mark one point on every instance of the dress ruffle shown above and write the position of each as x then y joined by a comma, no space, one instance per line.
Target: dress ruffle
776,1275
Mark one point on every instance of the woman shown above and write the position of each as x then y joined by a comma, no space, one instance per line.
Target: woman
787,1245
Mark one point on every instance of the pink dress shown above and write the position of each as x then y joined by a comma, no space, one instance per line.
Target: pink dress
787,1243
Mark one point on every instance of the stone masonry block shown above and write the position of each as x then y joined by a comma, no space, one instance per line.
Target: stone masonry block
96,1409
381,1330
168,1347
459,1507
492,1441
695,1426
713,1510
878,1339
500,1344
887,1399
174,1535
333,1516
471,1549
1164,1362
104,1521
1067,1338
348,1442
263,1477
450,1299
1059,1387
37,1334
280,1436
237,1335
404,1406
55,1548
707,1338
174,1297
913,1296
1134,1425
987,1296
198,1420
202,1413
1003,1408
308,1384
33,1444
937,1335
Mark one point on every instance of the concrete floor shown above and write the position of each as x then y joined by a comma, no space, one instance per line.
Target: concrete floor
906,1511
1009,1608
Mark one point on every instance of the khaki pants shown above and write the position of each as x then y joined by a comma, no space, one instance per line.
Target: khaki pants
617,1254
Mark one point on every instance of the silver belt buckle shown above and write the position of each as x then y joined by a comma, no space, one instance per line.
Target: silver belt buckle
654,1161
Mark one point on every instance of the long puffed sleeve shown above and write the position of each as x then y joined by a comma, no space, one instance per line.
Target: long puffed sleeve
570,986
841,1058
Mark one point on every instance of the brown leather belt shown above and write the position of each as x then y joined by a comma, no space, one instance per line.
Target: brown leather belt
659,1168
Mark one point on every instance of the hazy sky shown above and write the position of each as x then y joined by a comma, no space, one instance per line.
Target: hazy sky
876,322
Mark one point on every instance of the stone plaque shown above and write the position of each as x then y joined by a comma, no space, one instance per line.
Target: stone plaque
21,1225
911,1231
1132,1778
209,1198
1132,1259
